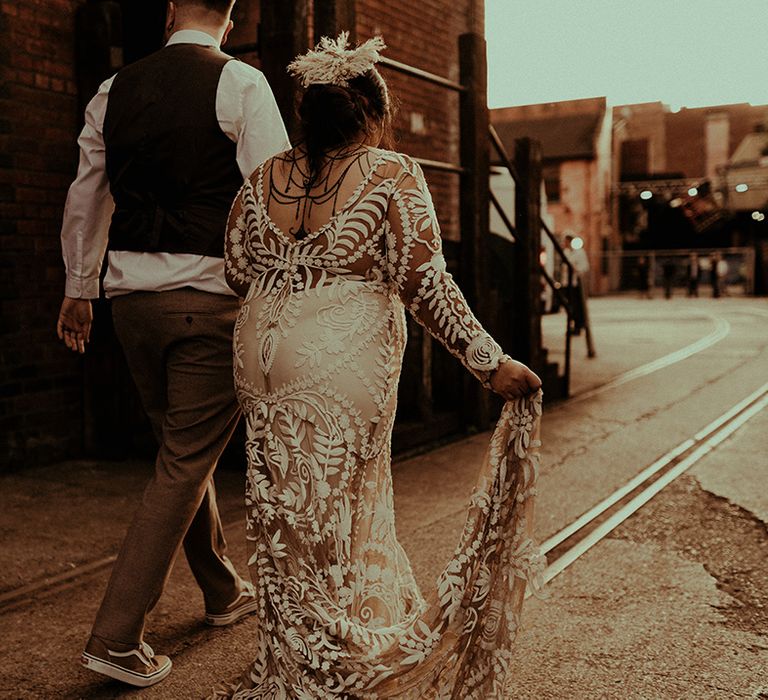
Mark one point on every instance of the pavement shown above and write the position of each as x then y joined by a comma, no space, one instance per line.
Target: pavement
673,604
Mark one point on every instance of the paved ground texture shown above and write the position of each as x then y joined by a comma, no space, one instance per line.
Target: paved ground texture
672,604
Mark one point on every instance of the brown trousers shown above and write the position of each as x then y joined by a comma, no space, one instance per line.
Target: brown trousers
178,345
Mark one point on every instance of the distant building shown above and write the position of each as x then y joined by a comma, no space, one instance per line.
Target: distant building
694,142
745,179
575,138
746,174
670,154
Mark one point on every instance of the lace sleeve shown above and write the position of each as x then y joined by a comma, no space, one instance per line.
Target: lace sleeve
236,267
416,267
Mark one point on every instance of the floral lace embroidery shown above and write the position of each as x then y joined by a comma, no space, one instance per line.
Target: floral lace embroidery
318,350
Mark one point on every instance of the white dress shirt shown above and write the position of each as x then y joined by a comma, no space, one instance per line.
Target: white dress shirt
247,114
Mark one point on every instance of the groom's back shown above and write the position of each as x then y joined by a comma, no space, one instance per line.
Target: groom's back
172,171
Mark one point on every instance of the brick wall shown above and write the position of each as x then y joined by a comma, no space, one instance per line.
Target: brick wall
644,122
425,35
40,395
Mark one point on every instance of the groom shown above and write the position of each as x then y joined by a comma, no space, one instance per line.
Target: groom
165,147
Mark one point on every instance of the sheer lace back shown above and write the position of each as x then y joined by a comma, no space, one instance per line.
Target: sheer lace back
330,234
386,233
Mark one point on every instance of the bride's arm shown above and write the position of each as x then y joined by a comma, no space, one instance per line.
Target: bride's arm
236,267
417,268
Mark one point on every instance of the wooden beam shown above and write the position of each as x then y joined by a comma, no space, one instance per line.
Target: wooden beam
331,17
474,200
527,279
283,34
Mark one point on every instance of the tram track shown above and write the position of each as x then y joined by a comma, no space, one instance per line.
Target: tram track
570,543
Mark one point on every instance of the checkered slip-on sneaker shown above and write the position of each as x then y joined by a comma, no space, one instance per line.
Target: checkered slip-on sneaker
139,666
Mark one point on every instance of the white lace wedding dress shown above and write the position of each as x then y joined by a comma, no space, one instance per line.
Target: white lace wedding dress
318,350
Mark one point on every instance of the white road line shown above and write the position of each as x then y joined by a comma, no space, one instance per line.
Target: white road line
722,329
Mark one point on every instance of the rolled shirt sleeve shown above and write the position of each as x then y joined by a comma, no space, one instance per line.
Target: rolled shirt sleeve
248,114
89,206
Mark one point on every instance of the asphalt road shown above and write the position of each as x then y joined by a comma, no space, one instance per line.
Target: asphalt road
673,604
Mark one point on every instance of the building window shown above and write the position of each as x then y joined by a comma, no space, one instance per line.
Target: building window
552,182
634,158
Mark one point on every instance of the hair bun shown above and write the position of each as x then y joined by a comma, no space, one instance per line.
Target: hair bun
331,105
334,115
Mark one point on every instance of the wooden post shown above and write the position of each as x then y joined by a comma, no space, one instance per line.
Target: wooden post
527,343
334,16
474,199
283,34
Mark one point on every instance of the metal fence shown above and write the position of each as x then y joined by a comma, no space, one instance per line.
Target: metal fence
692,272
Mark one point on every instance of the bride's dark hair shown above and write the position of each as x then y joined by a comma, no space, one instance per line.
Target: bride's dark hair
333,116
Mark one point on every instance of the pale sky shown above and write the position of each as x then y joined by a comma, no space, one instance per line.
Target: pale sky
688,53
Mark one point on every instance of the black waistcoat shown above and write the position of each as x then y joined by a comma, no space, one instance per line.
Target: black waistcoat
172,171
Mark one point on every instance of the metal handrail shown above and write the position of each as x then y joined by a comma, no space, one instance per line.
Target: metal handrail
435,80
502,214
557,288
421,74
502,153
440,165
558,248
507,163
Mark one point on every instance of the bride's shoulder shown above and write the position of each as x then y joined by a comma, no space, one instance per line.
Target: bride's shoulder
395,164
266,166
287,156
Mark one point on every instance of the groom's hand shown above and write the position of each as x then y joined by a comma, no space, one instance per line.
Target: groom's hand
74,325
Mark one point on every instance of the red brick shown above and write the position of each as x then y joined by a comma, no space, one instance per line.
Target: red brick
42,81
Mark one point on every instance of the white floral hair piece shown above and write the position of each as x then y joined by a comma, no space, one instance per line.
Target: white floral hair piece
331,62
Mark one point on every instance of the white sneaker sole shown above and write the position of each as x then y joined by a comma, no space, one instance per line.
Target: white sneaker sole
123,674
228,618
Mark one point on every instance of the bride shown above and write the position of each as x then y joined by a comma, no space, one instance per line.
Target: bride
329,243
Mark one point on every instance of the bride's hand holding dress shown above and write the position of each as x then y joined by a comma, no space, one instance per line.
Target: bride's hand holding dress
514,380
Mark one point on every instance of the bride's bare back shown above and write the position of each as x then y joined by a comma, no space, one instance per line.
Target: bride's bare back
300,205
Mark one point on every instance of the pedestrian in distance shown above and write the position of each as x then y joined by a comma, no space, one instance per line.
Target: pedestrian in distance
166,145
643,277
579,290
722,275
693,274
668,270
714,274
319,346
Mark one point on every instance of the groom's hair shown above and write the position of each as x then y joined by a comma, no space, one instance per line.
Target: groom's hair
221,7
